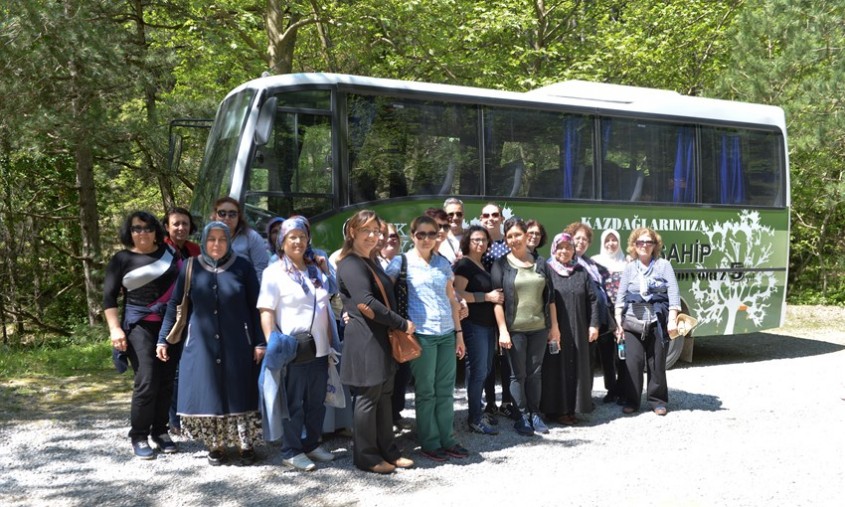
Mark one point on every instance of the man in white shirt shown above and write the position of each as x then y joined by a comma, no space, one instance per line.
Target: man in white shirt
451,246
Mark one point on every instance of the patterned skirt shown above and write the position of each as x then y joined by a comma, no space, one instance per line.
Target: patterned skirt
216,432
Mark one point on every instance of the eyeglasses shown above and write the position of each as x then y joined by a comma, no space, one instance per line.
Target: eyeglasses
495,214
138,229
534,233
370,232
221,213
456,214
426,235
478,240
393,236
644,243
445,227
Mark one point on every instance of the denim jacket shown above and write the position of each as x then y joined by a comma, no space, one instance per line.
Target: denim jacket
504,275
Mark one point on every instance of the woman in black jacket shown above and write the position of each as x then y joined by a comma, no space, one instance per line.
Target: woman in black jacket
367,365
527,321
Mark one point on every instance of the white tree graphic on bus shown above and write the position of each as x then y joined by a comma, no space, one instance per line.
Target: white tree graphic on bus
742,243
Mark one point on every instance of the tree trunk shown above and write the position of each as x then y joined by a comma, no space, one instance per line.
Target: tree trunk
90,227
155,163
281,39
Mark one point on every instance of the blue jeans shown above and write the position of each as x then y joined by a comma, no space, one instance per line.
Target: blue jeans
526,358
480,343
305,386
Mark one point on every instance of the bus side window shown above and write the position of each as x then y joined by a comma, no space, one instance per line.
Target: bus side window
548,183
506,180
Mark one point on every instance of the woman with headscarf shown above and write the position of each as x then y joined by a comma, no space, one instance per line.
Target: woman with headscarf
143,273
273,226
218,391
568,373
612,258
294,300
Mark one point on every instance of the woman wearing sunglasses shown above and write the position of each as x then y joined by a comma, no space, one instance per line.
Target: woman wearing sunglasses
648,293
491,219
246,242
435,311
391,246
143,274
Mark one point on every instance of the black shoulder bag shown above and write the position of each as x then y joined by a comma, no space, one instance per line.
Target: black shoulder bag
306,348
400,289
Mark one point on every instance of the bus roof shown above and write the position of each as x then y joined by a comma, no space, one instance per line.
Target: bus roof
600,98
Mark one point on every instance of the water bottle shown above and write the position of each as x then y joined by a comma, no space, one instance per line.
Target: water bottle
620,349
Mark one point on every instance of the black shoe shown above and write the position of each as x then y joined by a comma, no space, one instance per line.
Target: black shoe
142,449
510,412
216,458
165,444
247,457
402,424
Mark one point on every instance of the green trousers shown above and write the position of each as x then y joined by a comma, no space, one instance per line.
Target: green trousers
434,387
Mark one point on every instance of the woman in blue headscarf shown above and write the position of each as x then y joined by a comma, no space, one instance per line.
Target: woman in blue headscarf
218,379
294,300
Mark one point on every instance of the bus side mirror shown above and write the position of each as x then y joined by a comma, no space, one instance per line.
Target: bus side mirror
264,125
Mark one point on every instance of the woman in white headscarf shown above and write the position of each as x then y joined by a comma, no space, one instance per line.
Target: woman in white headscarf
613,258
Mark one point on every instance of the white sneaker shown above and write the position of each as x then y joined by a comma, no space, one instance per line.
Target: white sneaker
320,455
300,462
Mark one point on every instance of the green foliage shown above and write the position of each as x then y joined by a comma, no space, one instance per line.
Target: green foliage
790,53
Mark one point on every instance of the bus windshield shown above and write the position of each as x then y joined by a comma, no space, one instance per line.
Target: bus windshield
221,152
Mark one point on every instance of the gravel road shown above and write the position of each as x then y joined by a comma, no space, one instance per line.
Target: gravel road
755,420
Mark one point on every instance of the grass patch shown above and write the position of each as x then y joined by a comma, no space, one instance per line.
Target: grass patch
66,361
60,381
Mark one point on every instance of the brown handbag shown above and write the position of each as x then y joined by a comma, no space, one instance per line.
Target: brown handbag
404,346
175,334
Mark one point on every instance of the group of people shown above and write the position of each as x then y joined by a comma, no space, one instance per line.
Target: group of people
267,320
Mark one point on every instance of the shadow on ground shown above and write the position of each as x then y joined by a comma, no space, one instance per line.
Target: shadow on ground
715,350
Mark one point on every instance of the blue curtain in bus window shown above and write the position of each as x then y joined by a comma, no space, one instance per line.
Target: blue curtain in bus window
684,177
605,140
571,145
732,190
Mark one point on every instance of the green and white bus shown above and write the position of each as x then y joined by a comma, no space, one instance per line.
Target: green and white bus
710,175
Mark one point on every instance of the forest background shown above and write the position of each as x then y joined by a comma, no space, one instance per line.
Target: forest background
88,88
